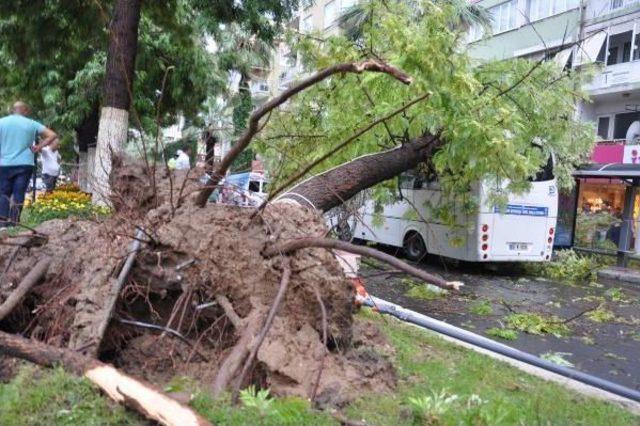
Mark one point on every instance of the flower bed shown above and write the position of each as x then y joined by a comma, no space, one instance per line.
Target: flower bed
67,200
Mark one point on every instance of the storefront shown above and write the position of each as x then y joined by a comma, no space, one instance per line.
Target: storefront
607,210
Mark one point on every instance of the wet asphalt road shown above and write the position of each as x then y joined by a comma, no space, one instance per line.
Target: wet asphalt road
609,349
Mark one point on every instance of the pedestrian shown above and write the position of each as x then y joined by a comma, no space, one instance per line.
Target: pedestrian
50,156
183,162
20,137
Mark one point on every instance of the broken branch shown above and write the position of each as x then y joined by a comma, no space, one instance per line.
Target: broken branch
253,126
327,243
27,283
124,389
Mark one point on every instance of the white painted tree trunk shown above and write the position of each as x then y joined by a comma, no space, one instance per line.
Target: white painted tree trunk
91,158
83,171
112,135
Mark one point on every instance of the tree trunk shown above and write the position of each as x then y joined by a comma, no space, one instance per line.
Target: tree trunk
209,153
87,136
142,397
118,87
114,125
333,187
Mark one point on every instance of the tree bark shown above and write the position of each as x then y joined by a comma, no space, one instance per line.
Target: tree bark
333,187
114,125
209,154
142,397
118,89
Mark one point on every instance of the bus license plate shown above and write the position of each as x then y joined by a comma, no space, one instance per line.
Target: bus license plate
518,246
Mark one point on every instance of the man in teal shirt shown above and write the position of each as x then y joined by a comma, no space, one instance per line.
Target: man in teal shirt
19,138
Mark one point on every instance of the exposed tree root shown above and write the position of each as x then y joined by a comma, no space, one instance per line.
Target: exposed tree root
282,322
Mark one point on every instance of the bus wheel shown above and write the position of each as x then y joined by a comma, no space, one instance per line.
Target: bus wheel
414,247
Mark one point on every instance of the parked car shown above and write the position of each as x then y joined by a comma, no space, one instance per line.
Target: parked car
244,189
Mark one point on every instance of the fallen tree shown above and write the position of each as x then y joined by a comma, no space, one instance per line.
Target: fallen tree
234,296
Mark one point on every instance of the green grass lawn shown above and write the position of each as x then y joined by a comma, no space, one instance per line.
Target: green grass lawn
439,383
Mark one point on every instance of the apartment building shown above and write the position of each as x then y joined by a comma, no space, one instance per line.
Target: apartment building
574,33
313,16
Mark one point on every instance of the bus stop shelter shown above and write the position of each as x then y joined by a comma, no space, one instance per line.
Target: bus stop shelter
629,174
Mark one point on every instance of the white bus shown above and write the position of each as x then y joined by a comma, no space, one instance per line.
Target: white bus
523,231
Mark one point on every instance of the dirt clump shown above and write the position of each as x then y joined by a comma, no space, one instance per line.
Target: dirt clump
199,282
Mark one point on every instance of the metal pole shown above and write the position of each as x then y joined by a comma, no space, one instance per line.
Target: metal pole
33,178
576,198
626,229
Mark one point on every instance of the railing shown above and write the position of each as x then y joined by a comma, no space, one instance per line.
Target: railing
598,9
621,4
623,73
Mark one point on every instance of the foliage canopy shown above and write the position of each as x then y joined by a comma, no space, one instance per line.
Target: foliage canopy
500,120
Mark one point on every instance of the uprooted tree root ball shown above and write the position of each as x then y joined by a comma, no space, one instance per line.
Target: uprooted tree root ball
198,295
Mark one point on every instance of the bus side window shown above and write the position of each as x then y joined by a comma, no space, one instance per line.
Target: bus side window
254,186
546,172
264,187
407,180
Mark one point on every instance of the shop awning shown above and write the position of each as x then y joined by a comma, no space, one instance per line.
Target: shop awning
612,170
588,50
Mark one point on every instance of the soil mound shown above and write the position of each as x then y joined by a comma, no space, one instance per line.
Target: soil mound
198,293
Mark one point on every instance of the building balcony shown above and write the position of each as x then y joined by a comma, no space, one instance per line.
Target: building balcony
599,9
618,77
259,89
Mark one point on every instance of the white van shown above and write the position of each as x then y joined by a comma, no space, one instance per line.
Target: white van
244,189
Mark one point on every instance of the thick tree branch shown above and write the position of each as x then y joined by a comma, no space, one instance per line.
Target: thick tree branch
331,244
27,283
332,187
253,127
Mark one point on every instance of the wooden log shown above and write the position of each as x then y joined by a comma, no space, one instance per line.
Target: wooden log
140,396
27,283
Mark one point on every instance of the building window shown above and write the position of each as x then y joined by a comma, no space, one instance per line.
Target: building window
346,4
620,48
603,127
540,9
612,59
475,33
330,13
307,3
616,4
636,49
307,24
503,16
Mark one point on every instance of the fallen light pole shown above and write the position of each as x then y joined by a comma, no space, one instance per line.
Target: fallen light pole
397,311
